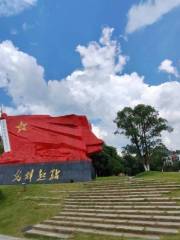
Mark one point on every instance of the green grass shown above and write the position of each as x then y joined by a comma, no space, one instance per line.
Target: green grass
98,237
160,176
16,212
112,178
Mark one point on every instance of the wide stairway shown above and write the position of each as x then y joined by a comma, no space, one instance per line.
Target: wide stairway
128,208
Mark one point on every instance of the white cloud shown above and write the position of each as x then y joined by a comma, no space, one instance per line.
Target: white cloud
98,132
13,7
167,67
98,90
148,12
21,75
104,56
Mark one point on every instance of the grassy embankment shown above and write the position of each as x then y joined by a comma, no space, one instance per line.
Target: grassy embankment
16,212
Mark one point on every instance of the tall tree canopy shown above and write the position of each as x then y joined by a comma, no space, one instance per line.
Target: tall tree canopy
143,126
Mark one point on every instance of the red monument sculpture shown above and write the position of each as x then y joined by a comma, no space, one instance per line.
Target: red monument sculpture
37,142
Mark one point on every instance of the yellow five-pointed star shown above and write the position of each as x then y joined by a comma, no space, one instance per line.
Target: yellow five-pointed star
21,127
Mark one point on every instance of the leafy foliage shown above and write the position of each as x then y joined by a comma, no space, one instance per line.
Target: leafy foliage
132,165
107,162
143,126
157,157
1,148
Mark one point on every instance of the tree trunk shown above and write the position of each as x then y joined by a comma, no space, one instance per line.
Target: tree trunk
146,164
146,167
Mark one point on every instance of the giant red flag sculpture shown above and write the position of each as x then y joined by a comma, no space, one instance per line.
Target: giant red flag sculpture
45,149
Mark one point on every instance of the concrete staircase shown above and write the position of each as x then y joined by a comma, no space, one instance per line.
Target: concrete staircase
129,208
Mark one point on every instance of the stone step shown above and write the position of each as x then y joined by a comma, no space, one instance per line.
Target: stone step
5,237
119,221
129,192
115,196
95,206
41,233
119,193
111,188
170,205
117,190
50,204
112,203
120,181
122,216
60,229
67,191
132,183
125,211
122,198
113,227
38,198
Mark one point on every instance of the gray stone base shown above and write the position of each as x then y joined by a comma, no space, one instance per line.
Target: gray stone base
70,171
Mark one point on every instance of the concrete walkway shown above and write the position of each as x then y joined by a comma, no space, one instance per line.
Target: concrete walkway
4,237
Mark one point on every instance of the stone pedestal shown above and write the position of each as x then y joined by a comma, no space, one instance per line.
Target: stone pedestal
54,172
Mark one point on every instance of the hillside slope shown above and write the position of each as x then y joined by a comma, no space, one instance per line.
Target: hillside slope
21,206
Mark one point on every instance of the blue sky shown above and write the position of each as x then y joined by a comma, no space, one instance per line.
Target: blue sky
55,28
42,36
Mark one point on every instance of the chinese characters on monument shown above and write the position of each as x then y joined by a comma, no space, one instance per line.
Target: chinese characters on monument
41,175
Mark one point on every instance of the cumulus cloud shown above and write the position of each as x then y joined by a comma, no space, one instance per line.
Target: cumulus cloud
167,67
13,7
104,55
22,76
98,90
148,12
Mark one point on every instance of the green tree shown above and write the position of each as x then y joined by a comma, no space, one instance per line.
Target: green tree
158,156
132,165
143,126
107,162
